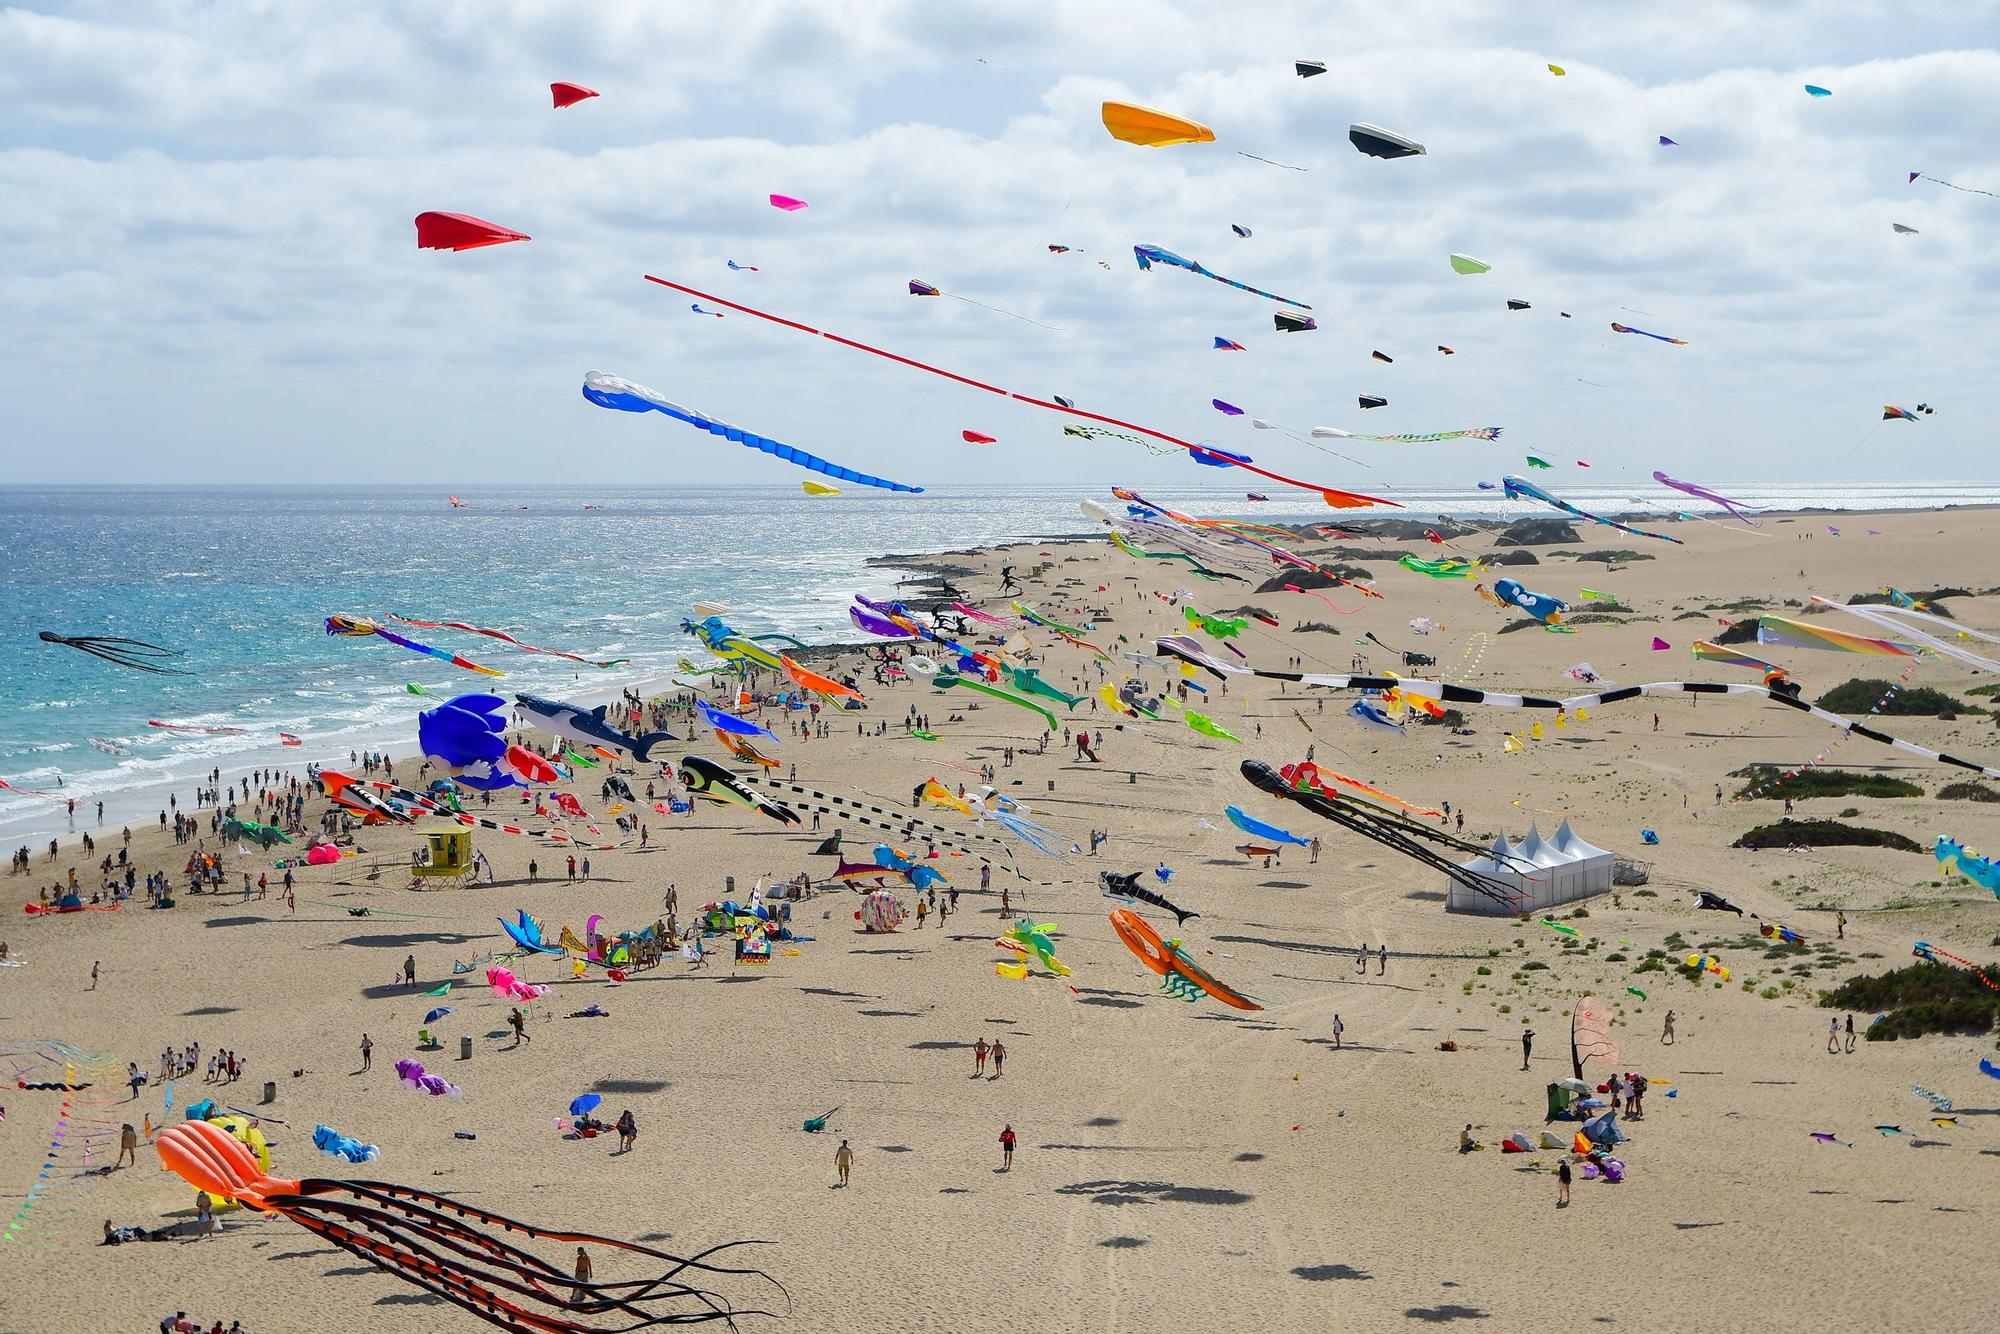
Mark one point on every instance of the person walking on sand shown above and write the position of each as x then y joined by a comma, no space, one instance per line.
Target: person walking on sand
1007,1148
1667,1031
923,911
1381,961
1562,1183
128,1147
93,974
628,1130
1338,1029
582,1276
979,1050
1833,1036
367,1052
1361,962
1848,1044
519,1023
1527,1045
999,1050
843,1161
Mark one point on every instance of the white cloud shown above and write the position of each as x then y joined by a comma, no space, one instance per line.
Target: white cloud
211,266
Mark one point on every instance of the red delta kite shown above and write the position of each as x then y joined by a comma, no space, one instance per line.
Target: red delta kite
569,94
461,231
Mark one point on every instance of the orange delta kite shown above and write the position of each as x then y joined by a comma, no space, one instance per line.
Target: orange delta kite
1180,975
461,231
823,685
1134,124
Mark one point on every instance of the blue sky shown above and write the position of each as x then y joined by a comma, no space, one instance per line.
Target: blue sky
211,273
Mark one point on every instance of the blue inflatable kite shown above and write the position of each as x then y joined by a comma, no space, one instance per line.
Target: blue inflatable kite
464,736
1251,825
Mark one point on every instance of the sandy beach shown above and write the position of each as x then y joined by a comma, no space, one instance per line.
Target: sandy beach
1178,1164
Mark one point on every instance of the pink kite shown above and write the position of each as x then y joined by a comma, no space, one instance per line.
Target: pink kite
787,203
1659,643
1703,493
979,615
531,766
506,986
461,231
975,438
322,854
569,94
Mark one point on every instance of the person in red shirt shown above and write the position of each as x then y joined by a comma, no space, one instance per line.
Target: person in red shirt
1007,1148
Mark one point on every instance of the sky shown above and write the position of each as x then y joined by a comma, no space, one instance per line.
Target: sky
210,271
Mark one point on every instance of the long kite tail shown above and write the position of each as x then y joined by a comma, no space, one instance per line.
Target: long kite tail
1334,497
1445,692
505,638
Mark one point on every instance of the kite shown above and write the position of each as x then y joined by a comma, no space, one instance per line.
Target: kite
1372,401
1668,143
1447,351
527,933
1540,606
609,391
1240,230
949,680
1451,567
462,231
1191,652
1953,855
1226,409
743,268
1924,950
1916,176
1702,493
505,638
569,94
193,727
1469,433
1251,825
1380,355
1516,488
816,489
1307,775
1516,304
1152,129
1659,644
1779,932
1227,344
1378,142
1207,726
1027,937
1616,327
588,727
1898,616
1534,462
1219,627
133,653
1466,264
1557,70
1126,886
1308,68
1029,681
1337,609
1893,413
1714,902
412,1075
1369,713
729,722
925,289
453,1250
345,1147
1099,433
822,685
711,782
1286,321
361,626
787,203
1901,230
696,308
1797,634
1180,976
1336,498
977,438
1149,255
1387,828
1815,90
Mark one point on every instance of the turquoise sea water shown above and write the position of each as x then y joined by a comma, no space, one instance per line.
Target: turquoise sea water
240,578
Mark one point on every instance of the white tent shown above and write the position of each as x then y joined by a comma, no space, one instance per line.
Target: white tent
1539,873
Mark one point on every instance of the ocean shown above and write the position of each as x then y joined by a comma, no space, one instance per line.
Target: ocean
239,579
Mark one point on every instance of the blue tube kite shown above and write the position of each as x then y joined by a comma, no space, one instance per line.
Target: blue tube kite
1149,255
1517,488
1251,825
729,722
609,391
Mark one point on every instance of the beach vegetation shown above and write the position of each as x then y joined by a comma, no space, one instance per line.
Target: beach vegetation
1920,998
1764,782
1824,834
1861,694
1967,791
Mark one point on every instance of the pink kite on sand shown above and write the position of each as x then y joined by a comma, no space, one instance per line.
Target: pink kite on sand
1659,643
569,94
322,854
506,986
787,203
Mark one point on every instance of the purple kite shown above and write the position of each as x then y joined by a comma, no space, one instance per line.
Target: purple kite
787,203
1226,409
1703,493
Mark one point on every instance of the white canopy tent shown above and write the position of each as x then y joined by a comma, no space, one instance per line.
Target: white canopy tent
1540,873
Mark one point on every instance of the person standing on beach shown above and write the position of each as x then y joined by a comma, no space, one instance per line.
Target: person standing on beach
128,1147
1833,1036
1840,924
1562,1183
1527,1045
1007,1148
367,1051
999,1050
979,1050
1848,1045
409,970
1338,1029
843,1161
1382,961
1361,962
628,1130
93,974
582,1275
1667,1033
572,868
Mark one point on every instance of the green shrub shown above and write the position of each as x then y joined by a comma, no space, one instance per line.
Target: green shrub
1483,971
1967,791
1534,966
1862,694
1920,998
1824,834
1821,783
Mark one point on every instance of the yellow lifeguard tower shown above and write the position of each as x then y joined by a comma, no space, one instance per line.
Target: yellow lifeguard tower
448,857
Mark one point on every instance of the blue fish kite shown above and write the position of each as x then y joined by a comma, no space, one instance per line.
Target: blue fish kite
1517,488
609,391
1149,255
1251,825
729,722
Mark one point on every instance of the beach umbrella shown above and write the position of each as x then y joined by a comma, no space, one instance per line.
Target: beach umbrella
437,1014
583,1104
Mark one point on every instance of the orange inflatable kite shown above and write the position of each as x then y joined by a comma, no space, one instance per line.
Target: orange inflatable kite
1170,961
